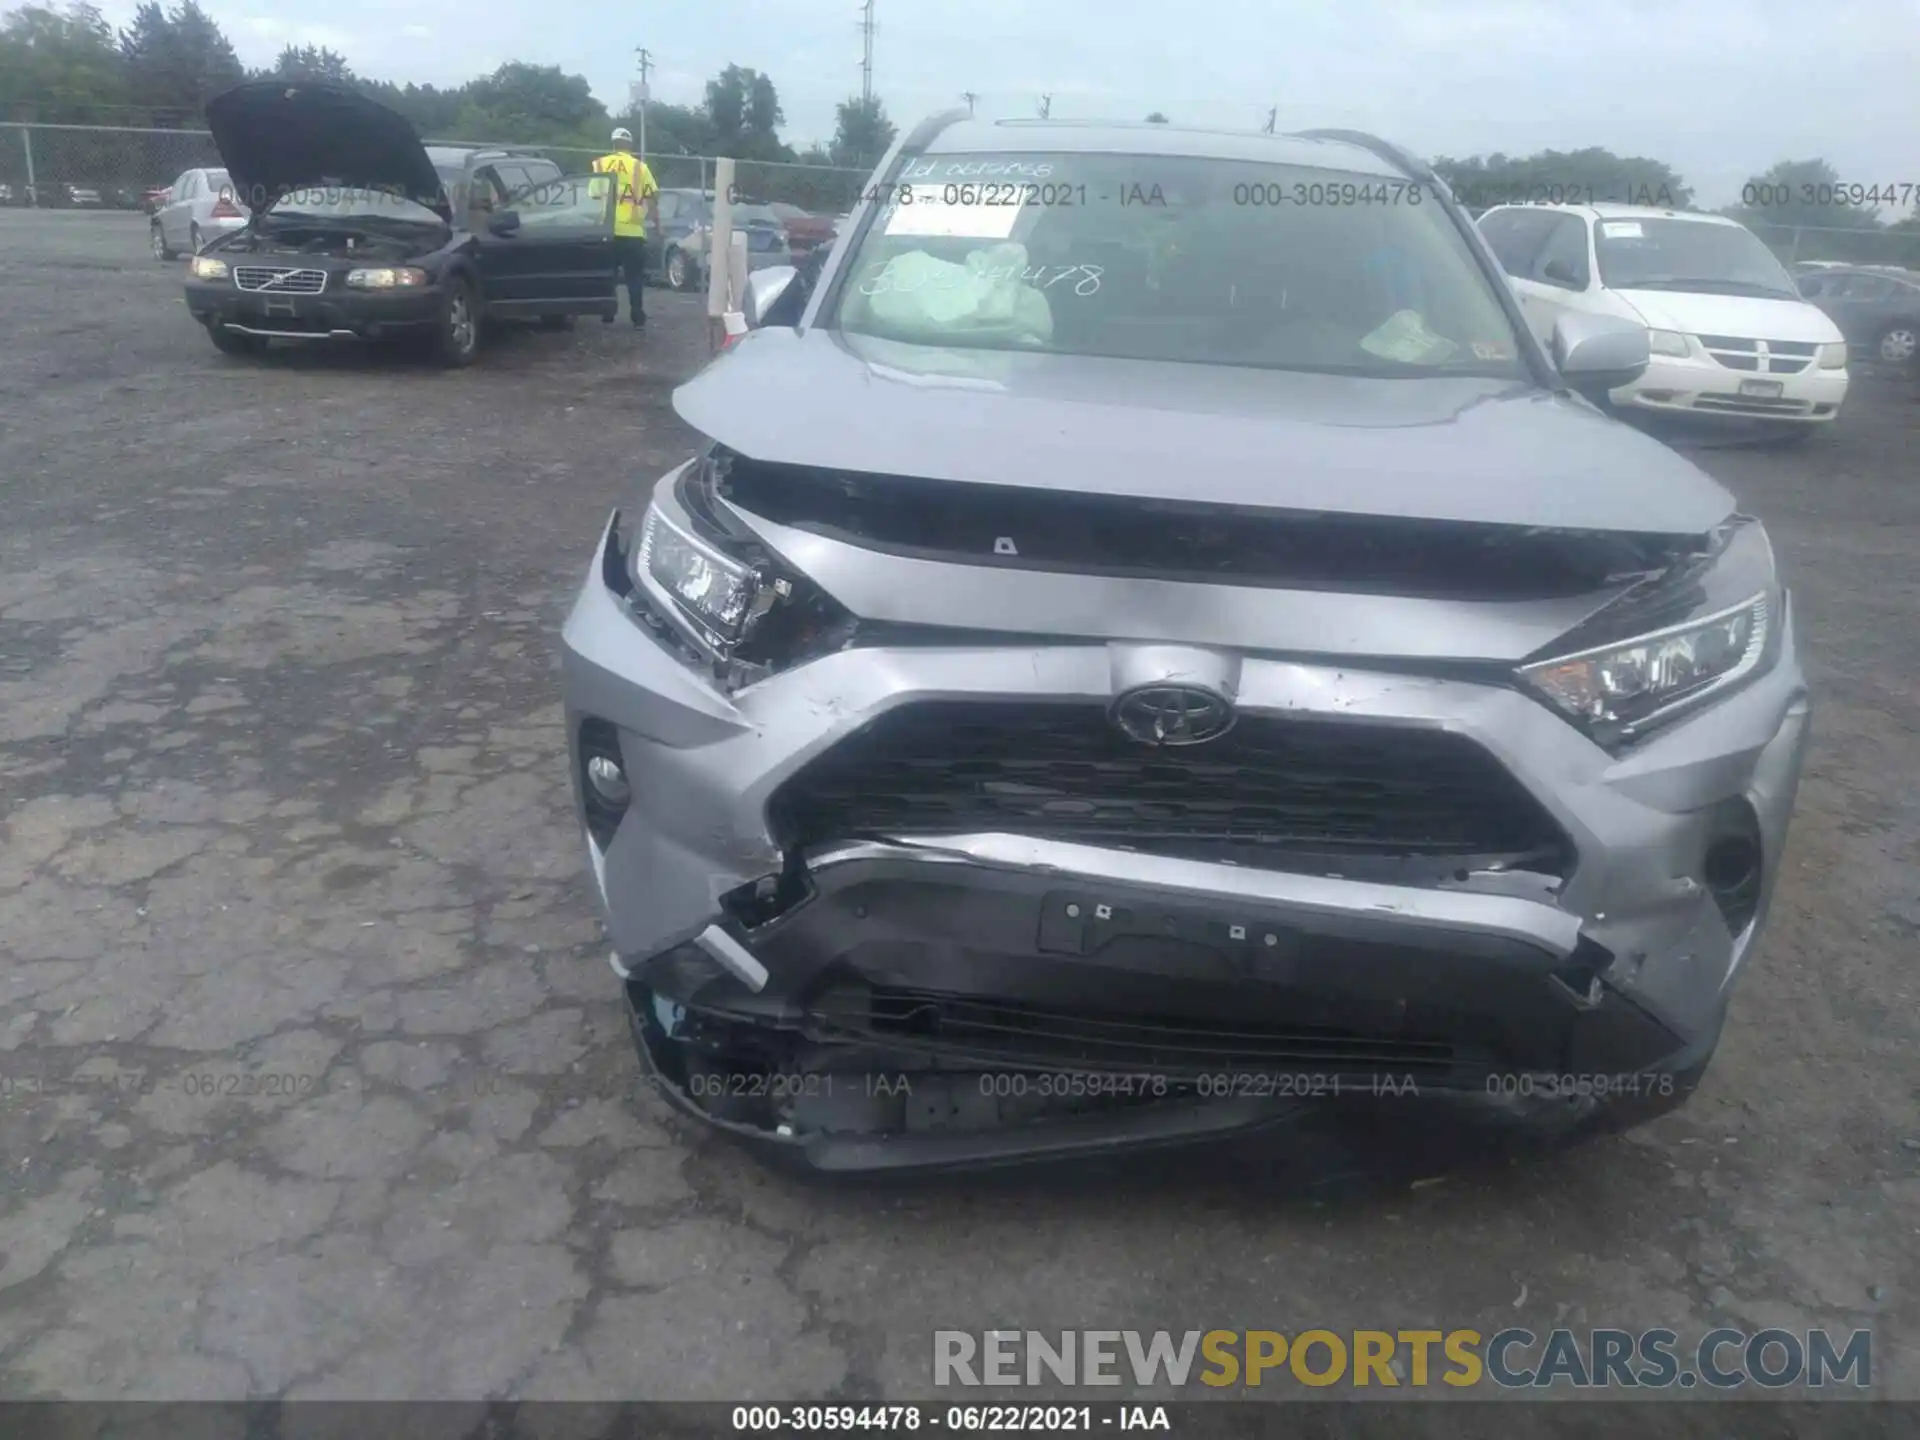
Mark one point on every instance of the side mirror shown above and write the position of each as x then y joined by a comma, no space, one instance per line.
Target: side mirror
505,223
764,287
1599,353
1561,273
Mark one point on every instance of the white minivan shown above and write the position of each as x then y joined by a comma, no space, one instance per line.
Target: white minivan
1729,332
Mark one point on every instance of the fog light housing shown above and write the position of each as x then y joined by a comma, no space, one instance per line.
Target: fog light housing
1733,864
605,790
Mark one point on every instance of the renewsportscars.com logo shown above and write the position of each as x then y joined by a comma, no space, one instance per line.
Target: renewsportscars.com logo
1508,1359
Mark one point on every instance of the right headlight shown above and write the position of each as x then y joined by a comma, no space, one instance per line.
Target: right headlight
1621,688
1666,342
709,587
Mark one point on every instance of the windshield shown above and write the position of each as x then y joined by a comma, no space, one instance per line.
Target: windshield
1183,259
333,202
1664,254
755,215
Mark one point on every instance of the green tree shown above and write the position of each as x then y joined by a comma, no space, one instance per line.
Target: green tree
1156,118
1572,177
313,62
744,115
60,67
532,104
862,133
175,61
1782,199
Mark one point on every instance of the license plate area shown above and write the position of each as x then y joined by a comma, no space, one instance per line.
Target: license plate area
1762,389
1227,945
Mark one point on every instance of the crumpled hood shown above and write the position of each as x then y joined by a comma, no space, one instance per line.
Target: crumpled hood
1446,448
1745,317
276,136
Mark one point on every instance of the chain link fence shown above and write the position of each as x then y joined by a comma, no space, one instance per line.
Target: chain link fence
1798,243
99,167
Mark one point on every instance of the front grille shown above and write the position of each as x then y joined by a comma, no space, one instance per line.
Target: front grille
1752,405
1015,1033
1783,357
1270,792
279,280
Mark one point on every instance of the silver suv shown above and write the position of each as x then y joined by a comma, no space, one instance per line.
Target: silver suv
1152,642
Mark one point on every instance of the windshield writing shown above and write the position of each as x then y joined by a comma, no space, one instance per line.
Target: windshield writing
1204,261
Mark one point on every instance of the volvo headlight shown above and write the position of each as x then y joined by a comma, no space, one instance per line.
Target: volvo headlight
1834,356
712,589
1666,342
1623,687
206,267
386,277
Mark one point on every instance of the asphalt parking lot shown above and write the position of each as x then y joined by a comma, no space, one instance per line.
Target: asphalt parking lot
316,1081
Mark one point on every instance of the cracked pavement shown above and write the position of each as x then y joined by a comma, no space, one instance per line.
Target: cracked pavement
314,1081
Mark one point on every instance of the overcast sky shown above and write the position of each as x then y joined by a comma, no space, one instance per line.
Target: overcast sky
1717,88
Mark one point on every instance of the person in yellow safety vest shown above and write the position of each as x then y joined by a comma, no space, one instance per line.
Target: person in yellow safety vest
637,201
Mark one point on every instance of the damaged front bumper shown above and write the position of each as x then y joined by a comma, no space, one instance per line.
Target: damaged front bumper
915,999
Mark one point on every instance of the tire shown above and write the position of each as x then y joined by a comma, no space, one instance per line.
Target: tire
556,322
457,344
1898,344
228,343
193,240
157,242
681,271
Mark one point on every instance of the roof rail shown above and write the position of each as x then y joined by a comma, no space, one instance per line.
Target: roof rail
932,126
1385,149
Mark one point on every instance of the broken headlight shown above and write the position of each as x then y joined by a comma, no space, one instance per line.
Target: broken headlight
707,586
1679,639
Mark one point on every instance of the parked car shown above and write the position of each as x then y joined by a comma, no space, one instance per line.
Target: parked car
1113,675
357,236
804,229
81,196
1730,335
686,229
1877,310
200,206
6,195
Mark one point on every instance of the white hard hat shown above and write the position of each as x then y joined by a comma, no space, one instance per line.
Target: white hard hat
623,134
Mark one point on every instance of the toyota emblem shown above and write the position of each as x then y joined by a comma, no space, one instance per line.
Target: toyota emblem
1172,715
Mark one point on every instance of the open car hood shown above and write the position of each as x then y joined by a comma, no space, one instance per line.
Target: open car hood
277,136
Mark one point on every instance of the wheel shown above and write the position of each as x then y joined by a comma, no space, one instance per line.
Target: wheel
1898,343
458,342
193,239
157,242
680,270
556,322
229,342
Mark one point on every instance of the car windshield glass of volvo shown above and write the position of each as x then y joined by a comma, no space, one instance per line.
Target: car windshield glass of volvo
1183,259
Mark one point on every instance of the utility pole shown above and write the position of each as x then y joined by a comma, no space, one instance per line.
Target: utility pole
1046,106
1273,118
866,54
969,96
646,68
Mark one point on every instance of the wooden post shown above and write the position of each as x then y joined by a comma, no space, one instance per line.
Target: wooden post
719,254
